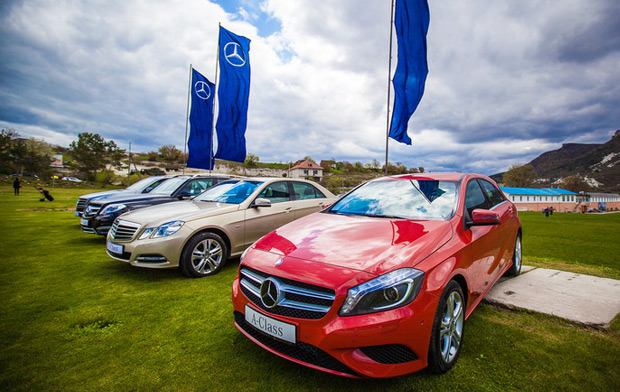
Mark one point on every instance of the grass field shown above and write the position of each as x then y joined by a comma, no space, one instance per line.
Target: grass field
71,318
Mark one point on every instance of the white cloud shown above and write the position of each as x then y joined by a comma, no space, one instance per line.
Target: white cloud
507,81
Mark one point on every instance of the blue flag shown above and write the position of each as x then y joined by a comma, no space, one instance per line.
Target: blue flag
200,143
412,19
233,94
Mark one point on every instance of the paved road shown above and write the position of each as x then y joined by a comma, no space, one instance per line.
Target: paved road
579,298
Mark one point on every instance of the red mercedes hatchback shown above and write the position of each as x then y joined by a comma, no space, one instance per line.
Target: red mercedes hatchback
380,283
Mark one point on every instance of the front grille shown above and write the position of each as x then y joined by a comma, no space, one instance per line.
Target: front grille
91,211
301,351
389,354
123,230
299,300
81,204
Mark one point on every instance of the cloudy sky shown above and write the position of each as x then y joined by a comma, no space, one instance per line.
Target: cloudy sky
507,80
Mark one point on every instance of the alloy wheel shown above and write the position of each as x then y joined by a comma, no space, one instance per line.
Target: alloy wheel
451,329
207,256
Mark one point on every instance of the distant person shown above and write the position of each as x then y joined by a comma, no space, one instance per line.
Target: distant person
16,185
546,211
551,210
46,195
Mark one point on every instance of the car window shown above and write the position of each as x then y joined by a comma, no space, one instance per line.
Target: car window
306,191
493,194
276,193
474,198
197,186
232,192
406,199
153,185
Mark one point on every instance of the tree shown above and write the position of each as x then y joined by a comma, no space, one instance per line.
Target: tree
35,156
251,159
91,153
521,176
153,155
169,153
8,143
575,183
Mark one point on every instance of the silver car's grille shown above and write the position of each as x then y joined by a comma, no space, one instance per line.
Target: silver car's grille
81,204
123,230
297,299
91,211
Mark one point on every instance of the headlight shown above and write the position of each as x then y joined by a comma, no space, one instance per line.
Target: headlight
167,229
146,233
112,208
389,291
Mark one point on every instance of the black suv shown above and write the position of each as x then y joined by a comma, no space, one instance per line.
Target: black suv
145,185
99,214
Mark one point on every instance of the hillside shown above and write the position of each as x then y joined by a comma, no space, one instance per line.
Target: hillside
599,164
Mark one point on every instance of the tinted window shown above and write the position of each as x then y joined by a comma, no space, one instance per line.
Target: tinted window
494,195
276,192
306,191
416,199
474,198
197,186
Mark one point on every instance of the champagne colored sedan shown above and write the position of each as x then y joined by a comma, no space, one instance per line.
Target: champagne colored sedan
380,283
199,235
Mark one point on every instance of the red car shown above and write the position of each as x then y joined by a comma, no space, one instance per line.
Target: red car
380,283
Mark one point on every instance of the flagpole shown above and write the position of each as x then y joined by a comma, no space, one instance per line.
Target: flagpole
387,127
217,63
189,91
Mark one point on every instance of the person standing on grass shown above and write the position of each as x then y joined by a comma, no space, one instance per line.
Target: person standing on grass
16,185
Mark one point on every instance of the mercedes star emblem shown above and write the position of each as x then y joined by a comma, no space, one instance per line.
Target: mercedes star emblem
234,54
203,91
270,292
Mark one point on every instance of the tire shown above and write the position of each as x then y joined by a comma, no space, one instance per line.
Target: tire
448,328
204,254
517,258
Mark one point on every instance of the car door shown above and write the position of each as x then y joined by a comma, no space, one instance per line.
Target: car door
482,247
501,235
261,220
308,199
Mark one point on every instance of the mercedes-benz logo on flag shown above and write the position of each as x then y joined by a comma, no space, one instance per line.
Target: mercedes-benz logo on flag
202,90
233,53
270,292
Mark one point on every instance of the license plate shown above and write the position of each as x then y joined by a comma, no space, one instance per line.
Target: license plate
77,213
114,248
270,326
84,222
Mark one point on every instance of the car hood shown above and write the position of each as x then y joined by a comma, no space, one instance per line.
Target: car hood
102,194
373,245
128,197
187,210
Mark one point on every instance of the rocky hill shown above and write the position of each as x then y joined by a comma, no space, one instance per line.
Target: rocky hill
598,164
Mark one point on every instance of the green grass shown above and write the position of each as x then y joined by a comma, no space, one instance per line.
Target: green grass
584,243
71,318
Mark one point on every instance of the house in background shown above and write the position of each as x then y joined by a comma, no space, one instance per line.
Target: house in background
532,199
306,170
599,201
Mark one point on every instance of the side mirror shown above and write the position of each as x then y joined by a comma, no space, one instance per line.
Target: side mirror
261,203
481,217
184,195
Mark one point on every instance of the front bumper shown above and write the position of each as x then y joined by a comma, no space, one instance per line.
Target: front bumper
378,345
97,225
162,252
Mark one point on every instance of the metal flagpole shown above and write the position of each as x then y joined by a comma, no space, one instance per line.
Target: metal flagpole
217,63
129,165
387,127
189,91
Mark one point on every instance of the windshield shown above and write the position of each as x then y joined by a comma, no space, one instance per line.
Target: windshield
168,187
143,183
406,199
231,192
